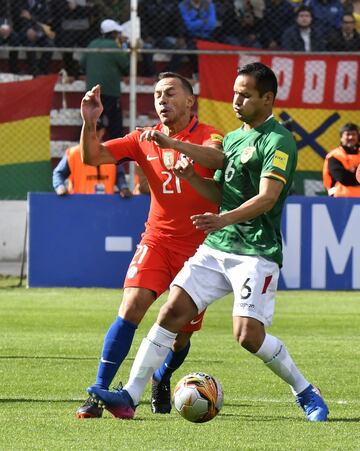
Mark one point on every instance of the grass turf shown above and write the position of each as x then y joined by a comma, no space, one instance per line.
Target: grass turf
50,343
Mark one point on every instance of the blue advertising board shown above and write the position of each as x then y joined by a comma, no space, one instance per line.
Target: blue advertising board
82,240
89,240
321,243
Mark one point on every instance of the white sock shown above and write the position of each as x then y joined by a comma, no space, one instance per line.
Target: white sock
151,354
275,355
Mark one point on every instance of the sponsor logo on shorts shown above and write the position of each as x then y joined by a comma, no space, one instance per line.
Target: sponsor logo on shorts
247,306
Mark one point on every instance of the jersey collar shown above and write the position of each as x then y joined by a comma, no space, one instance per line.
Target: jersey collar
194,122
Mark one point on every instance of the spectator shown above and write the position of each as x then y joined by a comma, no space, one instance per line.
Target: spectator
72,24
303,36
353,7
239,24
327,14
346,39
32,22
199,18
161,27
278,15
119,10
339,170
107,70
84,179
8,37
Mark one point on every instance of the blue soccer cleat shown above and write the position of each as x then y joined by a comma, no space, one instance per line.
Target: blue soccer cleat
118,402
312,404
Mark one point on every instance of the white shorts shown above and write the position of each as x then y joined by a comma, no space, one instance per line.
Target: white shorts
211,274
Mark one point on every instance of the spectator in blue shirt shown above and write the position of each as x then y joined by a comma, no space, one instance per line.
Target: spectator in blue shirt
199,18
327,14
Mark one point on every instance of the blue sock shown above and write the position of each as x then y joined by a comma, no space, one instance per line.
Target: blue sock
172,362
117,344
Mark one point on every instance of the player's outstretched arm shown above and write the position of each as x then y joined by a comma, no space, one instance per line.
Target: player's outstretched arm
208,156
269,192
205,186
92,151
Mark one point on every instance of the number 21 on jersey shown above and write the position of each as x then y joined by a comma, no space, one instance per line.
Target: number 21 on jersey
168,186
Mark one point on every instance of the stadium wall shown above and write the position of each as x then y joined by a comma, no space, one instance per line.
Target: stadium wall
12,234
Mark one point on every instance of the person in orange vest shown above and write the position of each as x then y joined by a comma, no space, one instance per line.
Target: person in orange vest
84,179
339,170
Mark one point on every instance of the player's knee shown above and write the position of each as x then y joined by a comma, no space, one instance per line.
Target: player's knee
169,313
244,340
249,339
132,311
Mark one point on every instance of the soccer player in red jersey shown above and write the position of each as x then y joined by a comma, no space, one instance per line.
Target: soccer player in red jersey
169,238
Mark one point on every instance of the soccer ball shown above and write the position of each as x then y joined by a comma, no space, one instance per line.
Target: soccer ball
198,397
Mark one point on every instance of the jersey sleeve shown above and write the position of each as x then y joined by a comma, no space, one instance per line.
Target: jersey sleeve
125,148
212,137
279,159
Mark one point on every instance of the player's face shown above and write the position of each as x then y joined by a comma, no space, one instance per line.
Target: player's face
248,105
172,102
350,138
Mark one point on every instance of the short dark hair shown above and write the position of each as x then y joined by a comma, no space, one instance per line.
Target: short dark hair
301,9
265,79
184,81
349,126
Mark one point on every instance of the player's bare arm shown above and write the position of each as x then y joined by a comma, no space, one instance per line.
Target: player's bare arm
208,156
92,151
207,187
269,192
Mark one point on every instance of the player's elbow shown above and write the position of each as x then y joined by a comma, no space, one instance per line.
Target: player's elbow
269,199
218,159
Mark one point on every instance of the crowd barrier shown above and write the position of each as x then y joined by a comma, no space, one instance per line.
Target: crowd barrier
88,241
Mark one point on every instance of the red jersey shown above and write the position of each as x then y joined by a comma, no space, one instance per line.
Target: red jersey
173,200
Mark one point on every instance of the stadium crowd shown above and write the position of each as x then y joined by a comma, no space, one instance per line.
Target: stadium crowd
289,25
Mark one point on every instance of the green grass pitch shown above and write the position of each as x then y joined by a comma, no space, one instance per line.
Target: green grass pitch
50,340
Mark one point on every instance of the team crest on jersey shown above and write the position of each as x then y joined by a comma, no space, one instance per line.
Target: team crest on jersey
168,158
247,153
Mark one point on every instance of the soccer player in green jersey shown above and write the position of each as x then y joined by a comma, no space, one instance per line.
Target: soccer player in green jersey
243,249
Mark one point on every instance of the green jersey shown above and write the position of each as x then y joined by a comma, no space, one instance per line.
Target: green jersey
265,151
105,69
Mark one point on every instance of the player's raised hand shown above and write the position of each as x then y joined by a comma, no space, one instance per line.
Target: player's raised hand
358,174
184,168
208,222
162,140
91,106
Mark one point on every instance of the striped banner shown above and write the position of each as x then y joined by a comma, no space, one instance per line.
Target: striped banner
318,92
25,136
